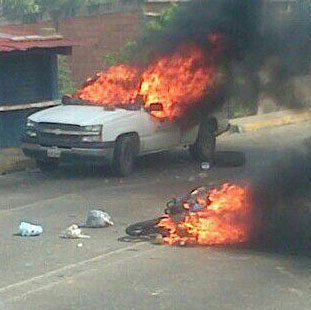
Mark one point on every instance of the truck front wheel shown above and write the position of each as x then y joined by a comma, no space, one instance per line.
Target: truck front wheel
204,147
124,155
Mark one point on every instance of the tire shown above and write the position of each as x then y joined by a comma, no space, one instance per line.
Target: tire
204,147
124,155
144,228
47,166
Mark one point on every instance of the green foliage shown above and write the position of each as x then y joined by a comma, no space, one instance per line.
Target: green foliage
66,85
59,9
123,56
153,30
20,9
97,2
143,47
30,10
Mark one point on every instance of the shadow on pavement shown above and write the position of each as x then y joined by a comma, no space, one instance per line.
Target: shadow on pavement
153,163
229,159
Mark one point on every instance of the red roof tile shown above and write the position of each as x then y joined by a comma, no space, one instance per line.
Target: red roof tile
9,43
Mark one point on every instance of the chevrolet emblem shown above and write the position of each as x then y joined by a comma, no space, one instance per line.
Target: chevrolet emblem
57,132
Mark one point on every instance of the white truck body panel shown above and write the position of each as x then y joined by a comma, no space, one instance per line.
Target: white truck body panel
154,134
79,115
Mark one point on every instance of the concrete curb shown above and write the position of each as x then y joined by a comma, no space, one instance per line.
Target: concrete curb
275,119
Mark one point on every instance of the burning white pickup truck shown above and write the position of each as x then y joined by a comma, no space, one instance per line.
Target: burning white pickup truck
99,134
125,112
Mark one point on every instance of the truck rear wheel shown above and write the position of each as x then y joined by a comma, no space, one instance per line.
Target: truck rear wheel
47,166
124,155
204,147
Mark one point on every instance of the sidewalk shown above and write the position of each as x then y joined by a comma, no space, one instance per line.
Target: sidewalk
262,121
13,159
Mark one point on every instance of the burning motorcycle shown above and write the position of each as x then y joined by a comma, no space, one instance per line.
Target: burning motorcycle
204,217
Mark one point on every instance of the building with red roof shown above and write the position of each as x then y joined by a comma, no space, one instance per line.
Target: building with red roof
28,77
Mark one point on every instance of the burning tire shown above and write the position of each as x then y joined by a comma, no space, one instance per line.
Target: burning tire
124,155
204,147
47,166
144,228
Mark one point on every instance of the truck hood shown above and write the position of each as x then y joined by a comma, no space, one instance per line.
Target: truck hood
79,115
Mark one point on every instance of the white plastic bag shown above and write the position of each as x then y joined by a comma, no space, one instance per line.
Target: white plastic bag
97,219
28,229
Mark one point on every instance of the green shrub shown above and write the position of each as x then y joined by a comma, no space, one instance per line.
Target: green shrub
66,85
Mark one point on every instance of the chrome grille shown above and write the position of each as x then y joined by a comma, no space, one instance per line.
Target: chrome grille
61,135
53,126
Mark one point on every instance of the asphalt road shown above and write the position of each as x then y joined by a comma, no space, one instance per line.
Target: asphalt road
48,272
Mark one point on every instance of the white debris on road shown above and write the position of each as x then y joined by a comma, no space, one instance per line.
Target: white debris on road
73,232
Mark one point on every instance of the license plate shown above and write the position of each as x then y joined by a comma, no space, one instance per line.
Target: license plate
54,152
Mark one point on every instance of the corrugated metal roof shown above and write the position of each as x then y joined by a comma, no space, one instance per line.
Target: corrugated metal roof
17,40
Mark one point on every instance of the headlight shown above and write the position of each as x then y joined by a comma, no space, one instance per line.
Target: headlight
93,128
31,129
92,133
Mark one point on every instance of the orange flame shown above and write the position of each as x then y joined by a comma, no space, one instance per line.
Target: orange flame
176,81
119,85
224,220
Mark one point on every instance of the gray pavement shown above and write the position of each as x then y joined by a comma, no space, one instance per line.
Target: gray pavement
48,272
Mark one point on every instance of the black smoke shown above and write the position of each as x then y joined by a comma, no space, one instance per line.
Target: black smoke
265,50
282,204
266,54
238,22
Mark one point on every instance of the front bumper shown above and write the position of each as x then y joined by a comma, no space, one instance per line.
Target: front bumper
100,155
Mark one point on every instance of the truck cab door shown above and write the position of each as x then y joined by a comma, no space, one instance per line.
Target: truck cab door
168,133
157,134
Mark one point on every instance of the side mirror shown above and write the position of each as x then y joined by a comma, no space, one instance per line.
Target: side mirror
155,107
